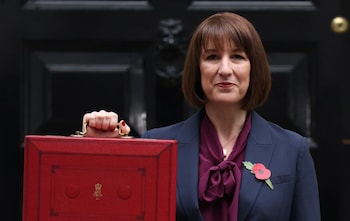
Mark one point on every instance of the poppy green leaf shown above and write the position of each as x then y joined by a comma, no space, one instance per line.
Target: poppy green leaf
269,183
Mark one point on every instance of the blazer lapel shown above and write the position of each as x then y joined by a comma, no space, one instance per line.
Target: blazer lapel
187,179
259,150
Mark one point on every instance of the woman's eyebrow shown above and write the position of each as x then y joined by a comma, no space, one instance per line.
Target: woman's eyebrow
210,50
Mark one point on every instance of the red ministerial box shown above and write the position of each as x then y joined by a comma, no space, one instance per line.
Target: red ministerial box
99,179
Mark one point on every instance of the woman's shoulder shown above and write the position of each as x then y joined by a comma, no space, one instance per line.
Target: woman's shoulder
276,131
183,129
282,131
165,132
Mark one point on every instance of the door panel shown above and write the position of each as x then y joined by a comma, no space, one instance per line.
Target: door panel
61,59
62,85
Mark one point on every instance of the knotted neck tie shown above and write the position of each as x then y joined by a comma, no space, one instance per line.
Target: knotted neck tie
219,180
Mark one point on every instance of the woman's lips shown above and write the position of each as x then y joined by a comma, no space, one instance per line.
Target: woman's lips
225,84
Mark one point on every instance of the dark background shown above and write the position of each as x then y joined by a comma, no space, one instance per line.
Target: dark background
61,59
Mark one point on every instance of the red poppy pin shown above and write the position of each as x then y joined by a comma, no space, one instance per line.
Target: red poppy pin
260,172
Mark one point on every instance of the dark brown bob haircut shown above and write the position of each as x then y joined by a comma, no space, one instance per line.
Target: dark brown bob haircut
221,29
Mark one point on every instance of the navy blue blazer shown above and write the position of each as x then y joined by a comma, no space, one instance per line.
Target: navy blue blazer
285,153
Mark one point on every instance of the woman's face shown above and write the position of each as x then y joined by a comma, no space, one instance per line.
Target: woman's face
225,74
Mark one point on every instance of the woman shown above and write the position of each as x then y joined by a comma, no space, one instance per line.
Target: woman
232,163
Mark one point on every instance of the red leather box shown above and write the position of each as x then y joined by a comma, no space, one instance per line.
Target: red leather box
99,179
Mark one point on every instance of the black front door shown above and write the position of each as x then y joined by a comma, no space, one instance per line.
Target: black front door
60,59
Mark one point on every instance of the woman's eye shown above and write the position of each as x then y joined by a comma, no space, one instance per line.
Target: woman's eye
237,56
212,57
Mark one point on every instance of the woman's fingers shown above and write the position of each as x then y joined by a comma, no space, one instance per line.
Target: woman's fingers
124,129
104,124
101,120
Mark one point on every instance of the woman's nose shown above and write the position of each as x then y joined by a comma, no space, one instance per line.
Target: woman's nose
225,66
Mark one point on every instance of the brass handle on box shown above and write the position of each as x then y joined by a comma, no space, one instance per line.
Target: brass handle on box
82,132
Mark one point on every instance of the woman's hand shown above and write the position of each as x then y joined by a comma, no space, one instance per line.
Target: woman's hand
104,124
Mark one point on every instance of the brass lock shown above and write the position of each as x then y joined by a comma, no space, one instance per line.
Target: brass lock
339,25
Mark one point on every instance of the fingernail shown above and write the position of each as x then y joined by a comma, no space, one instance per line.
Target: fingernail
123,123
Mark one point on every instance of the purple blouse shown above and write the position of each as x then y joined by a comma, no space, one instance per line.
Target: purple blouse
219,179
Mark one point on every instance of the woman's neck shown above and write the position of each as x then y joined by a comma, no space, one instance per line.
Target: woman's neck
228,123
226,119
